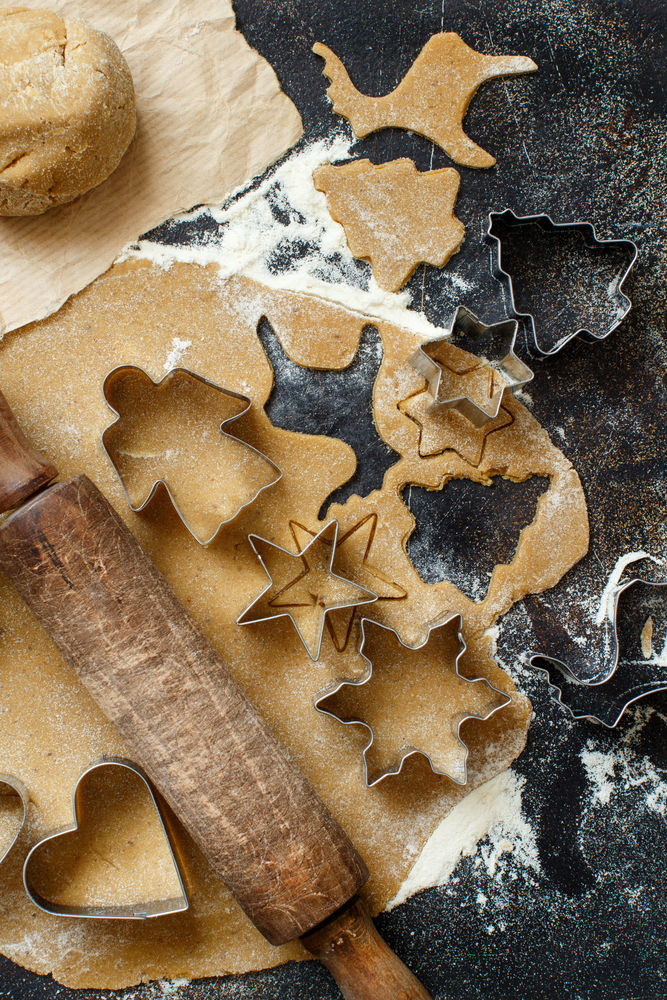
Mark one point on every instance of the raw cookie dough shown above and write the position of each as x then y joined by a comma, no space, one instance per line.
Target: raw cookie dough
432,97
52,373
393,215
66,112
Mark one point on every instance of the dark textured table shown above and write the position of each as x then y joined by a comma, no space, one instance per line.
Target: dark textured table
583,139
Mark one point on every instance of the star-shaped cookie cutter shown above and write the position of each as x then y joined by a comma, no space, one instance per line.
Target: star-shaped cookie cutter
591,240
488,346
109,451
409,750
287,595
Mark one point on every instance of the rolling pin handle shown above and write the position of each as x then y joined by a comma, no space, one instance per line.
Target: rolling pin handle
23,471
363,965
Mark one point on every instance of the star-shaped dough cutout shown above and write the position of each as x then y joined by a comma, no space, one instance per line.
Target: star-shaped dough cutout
352,557
449,430
393,215
414,700
471,379
431,99
303,587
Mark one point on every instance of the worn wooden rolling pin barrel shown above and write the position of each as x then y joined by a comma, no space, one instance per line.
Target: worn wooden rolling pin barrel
188,722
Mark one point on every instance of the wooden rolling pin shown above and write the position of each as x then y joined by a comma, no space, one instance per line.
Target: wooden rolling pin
189,724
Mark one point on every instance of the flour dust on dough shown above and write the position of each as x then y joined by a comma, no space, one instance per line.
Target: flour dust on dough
52,376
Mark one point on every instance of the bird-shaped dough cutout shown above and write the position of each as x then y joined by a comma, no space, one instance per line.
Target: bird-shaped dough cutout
393,215
431,99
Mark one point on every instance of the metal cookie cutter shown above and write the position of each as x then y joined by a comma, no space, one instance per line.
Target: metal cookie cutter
485,347
123,370
455,722
628,679
304,587
138,911
11,786
619,305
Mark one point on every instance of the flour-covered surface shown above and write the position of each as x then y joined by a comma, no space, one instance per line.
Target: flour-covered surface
559,890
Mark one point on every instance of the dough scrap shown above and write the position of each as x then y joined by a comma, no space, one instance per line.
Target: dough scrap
52,372
67,110
393,215
431,99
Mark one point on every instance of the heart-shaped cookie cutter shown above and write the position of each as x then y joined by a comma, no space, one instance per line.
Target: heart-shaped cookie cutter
138,911
22,792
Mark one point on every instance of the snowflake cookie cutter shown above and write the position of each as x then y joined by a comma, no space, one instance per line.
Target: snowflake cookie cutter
619,302
11,786
604,700
292,591
489,347
409,750
131,911
123,371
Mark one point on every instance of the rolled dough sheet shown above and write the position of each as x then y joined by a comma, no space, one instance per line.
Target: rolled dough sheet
52,373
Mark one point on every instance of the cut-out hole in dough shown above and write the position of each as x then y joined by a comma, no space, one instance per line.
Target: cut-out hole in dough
466,528
118,861
335,402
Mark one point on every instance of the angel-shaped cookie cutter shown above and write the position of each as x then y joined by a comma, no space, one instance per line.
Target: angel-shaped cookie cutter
408,750
108,383
138,911
491,346
591,240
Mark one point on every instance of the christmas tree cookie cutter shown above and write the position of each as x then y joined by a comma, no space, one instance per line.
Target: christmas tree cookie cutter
619,304
111,382
486,347
372,777
131,911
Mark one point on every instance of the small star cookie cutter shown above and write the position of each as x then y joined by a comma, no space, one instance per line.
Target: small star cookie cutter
486,347
293,592
614,293
408,750
132,911
109,450
16,789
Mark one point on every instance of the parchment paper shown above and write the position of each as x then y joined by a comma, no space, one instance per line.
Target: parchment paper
211,115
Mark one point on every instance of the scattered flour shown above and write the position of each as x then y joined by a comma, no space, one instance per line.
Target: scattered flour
620,770
285,211
492,810
612,588
179,347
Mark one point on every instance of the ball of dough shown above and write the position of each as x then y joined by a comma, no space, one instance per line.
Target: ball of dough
67,110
